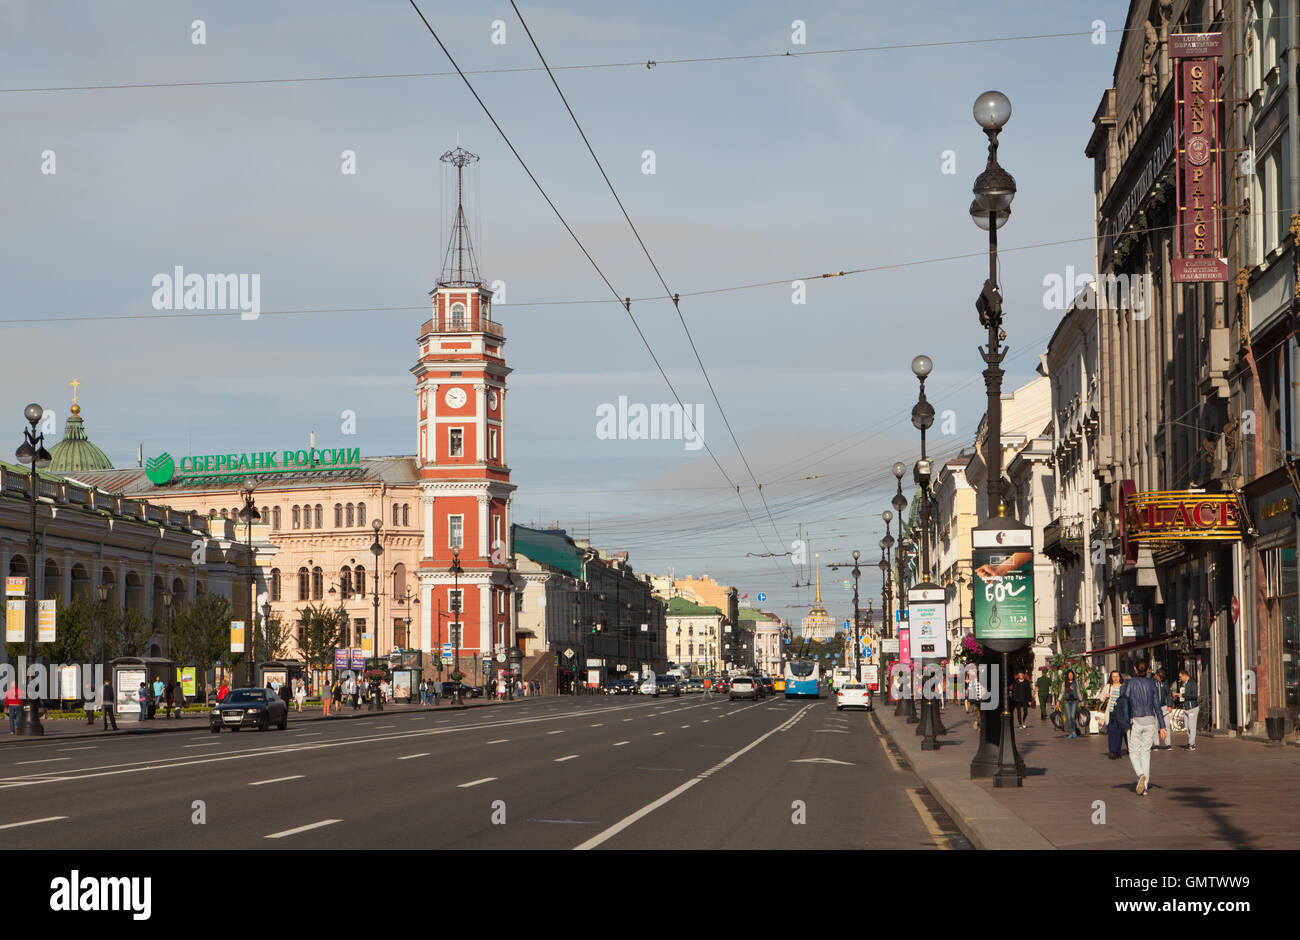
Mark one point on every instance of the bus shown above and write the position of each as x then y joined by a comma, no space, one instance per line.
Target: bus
803,678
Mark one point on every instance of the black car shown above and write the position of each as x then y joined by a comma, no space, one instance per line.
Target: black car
769,688
466,691
622,687
249,708
667,685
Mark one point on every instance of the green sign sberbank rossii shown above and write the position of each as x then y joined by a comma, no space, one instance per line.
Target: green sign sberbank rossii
164,469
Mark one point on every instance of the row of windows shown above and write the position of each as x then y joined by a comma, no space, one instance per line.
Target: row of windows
313,517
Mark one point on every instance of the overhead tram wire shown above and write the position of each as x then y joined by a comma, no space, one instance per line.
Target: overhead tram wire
622,301
647,64
573,303
668,292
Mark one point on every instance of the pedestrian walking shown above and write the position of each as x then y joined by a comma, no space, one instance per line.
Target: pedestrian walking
223,690
437,693
1142,700
1044,689
169,699
1166,703
424,693
1022,695
143,696
109,702
14,706
352,689
1070,701
300,694
1114,725
1189,700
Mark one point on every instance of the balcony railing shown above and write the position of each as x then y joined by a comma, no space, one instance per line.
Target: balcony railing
467,323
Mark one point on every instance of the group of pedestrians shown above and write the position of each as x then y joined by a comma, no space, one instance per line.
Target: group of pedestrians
170,696
1138,707
430,692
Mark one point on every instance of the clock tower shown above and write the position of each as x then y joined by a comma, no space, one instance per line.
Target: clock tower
460,395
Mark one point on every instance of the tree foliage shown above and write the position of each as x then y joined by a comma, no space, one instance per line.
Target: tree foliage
319,632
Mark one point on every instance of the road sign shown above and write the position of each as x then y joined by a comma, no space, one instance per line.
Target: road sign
568,654
762,598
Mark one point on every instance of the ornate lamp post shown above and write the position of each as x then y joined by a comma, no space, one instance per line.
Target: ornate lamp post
250,515
376,696
926,592
167,605
998,537
32,451
456,571
101,593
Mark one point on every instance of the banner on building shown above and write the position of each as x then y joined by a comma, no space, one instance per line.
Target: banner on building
367,645
1197,167
45,621
236,636
16,621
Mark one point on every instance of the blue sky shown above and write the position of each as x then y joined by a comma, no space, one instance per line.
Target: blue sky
765,170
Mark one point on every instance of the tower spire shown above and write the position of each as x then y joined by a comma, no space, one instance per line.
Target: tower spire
459,268
819,584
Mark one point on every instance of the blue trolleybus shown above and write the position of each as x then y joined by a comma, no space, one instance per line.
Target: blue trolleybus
803,678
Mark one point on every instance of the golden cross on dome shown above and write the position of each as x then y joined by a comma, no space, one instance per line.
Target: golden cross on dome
74,383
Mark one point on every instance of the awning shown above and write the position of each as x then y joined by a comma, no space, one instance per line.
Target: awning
1135,645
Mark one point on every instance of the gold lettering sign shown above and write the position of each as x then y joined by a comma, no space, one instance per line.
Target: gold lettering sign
1177,515
1277,508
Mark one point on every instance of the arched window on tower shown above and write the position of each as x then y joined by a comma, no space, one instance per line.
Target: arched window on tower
275,584
406,513
352,515
320,515
317,584
458,316
361,513
275,518
304,583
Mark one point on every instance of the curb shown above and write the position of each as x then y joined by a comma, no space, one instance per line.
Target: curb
196,724
985,822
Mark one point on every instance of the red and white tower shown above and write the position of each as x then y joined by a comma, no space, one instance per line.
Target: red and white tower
460,391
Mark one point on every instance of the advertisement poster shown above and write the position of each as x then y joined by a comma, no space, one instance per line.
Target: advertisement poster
904,646
358,659
871,676
342,658
928,617
236,636
69,682
278,676
45,619
401,685
16,621
366,646
127,690
1004,593
188,677
15,587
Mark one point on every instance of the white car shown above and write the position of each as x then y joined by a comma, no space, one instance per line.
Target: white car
853,695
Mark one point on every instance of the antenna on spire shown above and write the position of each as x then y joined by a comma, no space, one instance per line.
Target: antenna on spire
459,269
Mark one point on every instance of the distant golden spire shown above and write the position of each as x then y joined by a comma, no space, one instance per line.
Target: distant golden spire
76,409
819,582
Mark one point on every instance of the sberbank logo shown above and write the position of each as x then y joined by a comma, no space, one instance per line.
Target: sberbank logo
160,469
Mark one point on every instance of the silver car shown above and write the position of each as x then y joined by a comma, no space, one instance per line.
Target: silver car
742,687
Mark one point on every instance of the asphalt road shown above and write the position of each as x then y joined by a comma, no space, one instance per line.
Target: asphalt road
552,773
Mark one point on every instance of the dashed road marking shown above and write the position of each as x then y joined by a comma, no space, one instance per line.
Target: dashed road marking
258,783
412,756
474,783
619,743
31,822
306,828
561,760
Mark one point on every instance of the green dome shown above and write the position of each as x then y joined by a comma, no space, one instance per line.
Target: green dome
75,453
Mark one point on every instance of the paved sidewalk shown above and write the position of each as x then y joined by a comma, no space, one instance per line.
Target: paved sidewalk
77,728
1227,794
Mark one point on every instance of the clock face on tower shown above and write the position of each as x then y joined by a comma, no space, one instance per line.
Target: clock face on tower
492,400
455,397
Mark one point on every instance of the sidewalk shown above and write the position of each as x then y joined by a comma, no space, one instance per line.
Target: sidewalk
1227,794
67,729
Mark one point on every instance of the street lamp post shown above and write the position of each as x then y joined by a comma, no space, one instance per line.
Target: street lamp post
925,590
456,570
376,696
32,451
250,515
101,592
906,706
167,605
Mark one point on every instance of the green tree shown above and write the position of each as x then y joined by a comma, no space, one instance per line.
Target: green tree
319,632
126,632
201,635
275,640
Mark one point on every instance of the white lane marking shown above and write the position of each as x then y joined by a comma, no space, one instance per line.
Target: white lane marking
673,794
89,748
619,743
48,760
657,733
258,783
31,822
204,744
561,760
308,734
599,724
474,783
629,719
555,732
706,721
828,731
821,760
685,726
310,826
377,727
412,756
499,741
167,763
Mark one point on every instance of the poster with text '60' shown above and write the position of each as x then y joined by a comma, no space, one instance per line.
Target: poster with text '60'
1004,593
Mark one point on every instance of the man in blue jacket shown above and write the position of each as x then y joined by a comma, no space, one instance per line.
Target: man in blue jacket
1145,715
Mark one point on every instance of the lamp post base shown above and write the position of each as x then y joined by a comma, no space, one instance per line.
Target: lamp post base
31,726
